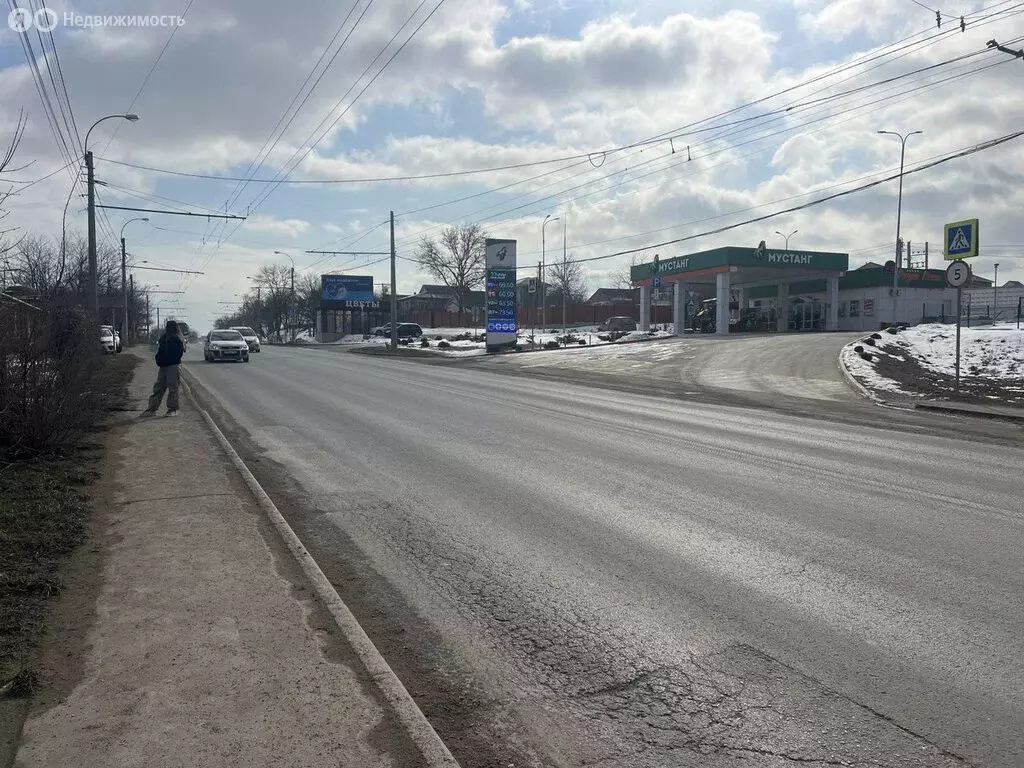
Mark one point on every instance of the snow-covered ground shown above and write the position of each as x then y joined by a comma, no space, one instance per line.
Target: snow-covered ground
989,354
463,346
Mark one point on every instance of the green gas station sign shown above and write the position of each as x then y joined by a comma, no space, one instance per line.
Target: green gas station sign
733,256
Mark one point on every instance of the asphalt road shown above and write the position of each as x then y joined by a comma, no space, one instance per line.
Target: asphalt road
568,575
752,368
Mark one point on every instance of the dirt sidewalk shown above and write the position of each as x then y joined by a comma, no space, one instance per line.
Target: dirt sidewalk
207,647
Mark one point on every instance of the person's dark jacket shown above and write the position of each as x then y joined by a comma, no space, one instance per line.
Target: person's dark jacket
169,350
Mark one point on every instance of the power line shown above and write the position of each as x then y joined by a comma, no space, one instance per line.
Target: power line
956,155
287,171
260,158
558,194
766,118
678,133
149,74
261,199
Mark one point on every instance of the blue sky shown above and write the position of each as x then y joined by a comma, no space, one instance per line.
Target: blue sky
487,84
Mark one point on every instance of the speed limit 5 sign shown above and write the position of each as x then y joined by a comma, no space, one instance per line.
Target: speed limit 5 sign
958,274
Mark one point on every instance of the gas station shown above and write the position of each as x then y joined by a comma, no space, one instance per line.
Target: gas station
774,290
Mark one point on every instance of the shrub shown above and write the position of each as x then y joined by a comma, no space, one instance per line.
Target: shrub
858,349
870,341
53,383
867,356
425,343
876,335
443,344
582,342
552,345
892,331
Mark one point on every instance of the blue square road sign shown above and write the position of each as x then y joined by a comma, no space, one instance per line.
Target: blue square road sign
961,239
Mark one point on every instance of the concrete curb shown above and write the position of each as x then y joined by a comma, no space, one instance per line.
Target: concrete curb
942,408
853,379
409,714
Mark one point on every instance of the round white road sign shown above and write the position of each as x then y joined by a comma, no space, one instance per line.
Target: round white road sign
958,274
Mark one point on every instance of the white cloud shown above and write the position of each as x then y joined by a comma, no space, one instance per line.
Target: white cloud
456,99
284,227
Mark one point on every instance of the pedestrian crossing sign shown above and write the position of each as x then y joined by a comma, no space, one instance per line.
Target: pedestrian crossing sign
961,240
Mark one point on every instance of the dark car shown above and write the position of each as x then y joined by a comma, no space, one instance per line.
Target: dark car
408,331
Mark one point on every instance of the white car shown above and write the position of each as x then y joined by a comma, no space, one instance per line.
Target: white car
116,334
249,335
108,344
225,344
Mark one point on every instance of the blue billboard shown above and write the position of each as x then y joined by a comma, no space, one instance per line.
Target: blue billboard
346,288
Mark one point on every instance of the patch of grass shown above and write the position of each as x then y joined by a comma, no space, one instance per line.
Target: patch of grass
43,516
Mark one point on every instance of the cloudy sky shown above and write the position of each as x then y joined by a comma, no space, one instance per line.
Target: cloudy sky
636,123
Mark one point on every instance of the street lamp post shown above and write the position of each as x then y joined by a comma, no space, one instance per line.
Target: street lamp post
124,276
543,253
995,294
94,296
899,215
786,237
291,303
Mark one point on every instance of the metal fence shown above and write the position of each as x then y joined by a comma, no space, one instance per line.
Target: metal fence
986,313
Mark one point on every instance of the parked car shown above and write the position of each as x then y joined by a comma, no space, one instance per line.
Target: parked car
618,324
108,344
249,335
381,330
116,335
408,331
225,344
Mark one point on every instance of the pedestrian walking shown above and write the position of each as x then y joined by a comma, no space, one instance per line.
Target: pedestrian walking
168,357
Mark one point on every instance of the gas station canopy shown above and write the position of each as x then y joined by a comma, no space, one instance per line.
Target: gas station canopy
753,265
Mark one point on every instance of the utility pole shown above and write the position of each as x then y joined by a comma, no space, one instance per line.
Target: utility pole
394,291
565,276
536,300
158,318
926,254
149,330
124,289
995,295
93,289
131,298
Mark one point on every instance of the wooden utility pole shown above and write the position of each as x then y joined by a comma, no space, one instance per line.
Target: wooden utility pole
394,289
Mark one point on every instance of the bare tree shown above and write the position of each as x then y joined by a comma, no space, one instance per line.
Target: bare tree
275,298
307,297
569,279
457,259
624,279
5,195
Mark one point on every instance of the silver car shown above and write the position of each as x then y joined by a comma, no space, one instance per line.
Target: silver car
249,335
225,345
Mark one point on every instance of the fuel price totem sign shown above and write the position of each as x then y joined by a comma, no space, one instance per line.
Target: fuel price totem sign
501,294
